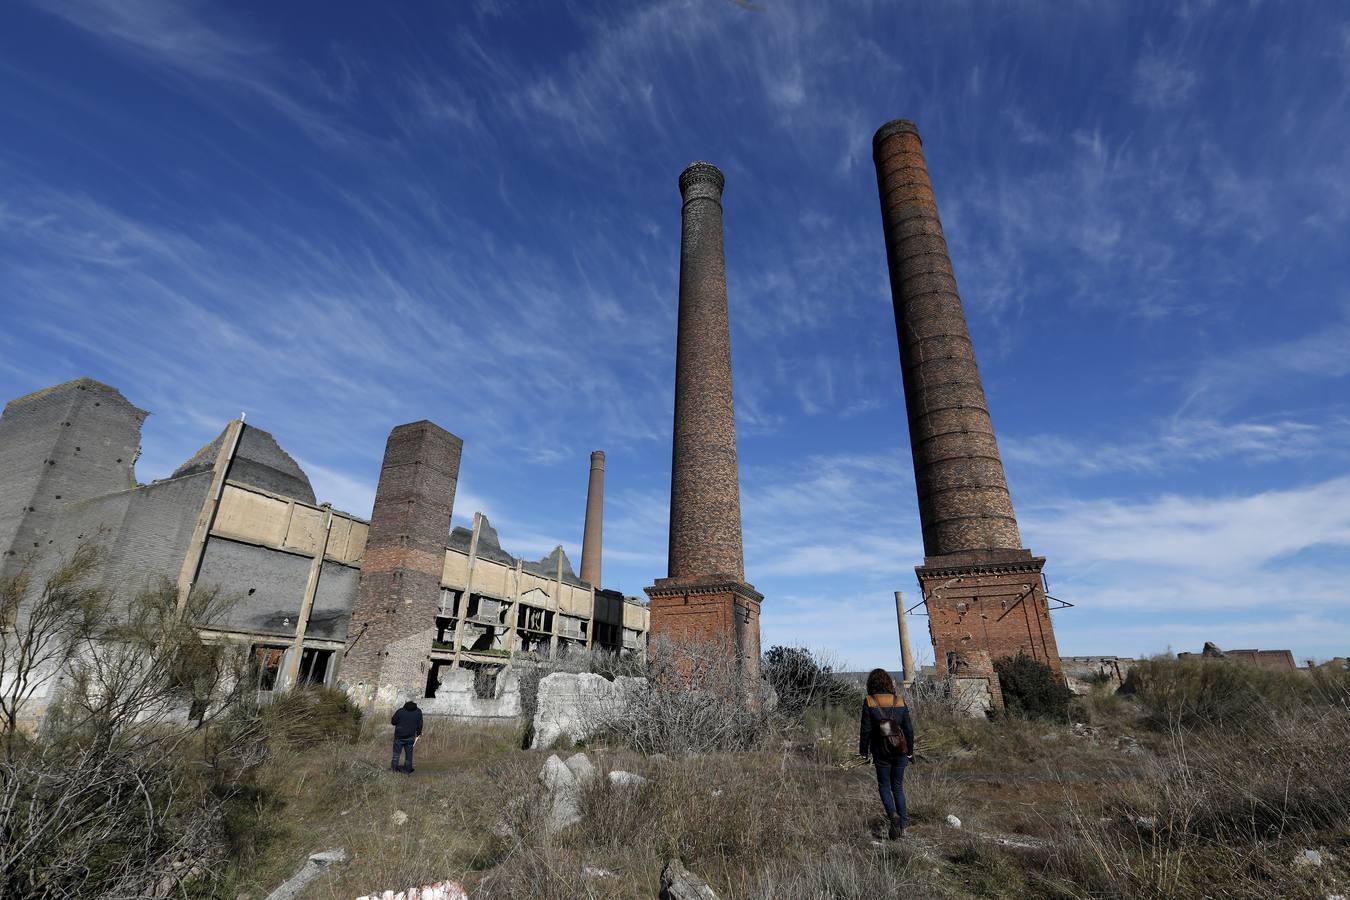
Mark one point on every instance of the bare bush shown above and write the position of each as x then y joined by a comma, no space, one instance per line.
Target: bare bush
698,700
116,797
41,627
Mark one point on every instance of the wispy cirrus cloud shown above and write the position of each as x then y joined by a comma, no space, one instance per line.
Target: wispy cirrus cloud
192,41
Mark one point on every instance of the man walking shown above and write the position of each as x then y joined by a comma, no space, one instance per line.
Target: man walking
407,724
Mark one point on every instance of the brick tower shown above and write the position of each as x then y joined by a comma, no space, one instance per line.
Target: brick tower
393,621
984,591
705,597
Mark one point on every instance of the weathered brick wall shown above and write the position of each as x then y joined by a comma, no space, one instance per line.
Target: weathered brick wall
1000,609
394,619
59,446
709,615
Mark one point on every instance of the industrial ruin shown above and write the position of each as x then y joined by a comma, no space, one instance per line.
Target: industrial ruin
392,606
984,591
704,597
399,605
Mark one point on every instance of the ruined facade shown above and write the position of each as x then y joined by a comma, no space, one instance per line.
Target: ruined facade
983,589
388,606
705,598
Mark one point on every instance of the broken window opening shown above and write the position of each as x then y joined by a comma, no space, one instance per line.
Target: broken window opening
314,666
434,679
485,681
445,633
267,662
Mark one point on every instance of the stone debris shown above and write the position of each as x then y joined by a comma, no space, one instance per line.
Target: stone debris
1308,858
579,705
1129,745
565,781
623,779
581,767
317,863
678,883
953,821
441,890
399,817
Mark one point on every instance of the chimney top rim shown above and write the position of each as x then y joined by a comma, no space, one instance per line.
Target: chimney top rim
700,171
895,126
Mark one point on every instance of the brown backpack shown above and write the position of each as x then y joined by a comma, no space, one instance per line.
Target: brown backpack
892,735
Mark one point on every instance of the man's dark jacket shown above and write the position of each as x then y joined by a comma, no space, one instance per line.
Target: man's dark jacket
871,742
407,722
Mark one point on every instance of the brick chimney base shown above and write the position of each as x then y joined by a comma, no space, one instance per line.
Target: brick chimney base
710,612
995,605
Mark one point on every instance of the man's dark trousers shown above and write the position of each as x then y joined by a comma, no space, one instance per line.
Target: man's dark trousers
406,745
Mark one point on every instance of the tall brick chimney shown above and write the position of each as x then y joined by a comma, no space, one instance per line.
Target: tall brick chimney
393,621
593,534
705,596
983,589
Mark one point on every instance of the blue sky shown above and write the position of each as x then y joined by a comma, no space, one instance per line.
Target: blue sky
344,216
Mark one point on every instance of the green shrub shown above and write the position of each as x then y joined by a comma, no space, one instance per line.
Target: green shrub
1220,692
802,681
1031,689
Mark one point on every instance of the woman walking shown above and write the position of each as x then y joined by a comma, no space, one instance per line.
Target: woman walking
886,734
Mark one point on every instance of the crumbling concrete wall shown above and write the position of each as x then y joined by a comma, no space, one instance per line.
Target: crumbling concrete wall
580,705
1082,672
457,698
58,446
974,683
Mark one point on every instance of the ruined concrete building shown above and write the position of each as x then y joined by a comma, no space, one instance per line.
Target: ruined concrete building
984,591
388,606
704,597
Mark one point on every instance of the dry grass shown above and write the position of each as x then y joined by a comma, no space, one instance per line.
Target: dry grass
1047,812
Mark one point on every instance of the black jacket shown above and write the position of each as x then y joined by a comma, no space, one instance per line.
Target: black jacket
407,722
870,740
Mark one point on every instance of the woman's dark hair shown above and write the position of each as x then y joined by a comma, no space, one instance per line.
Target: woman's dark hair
879,681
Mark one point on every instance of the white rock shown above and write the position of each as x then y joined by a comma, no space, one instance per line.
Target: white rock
399,817
555,774
626,779
1308,858
314,866
565,805
953,821
582,769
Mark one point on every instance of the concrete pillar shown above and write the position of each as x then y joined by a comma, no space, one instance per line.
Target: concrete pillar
705,598
593,533
393,621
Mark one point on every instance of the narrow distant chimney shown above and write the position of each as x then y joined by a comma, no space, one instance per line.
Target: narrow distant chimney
595,516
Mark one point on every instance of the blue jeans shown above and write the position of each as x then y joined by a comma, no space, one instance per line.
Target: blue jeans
406,745
891,786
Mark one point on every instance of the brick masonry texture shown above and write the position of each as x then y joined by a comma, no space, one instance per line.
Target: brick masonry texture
593,533
705,500
963,495
984,590
709,614
705,598
394,618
